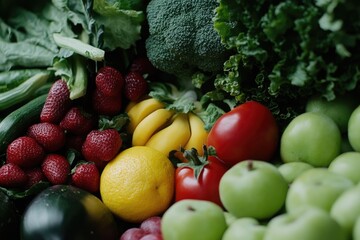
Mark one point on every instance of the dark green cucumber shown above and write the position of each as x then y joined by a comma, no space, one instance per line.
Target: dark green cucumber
16,122
67,212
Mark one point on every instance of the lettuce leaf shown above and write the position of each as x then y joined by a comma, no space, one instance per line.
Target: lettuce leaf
37,36
122,24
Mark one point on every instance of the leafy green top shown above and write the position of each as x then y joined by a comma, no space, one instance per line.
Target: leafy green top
288,50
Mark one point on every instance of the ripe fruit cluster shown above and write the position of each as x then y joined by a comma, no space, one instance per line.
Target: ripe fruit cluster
40,154
149,229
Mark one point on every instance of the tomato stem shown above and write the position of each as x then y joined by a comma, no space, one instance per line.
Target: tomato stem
195,161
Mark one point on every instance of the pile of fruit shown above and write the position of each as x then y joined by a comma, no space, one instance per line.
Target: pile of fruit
154,120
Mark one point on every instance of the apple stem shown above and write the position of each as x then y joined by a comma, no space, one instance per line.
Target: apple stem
250,165
190,208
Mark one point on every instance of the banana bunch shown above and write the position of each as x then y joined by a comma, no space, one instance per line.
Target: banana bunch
165,130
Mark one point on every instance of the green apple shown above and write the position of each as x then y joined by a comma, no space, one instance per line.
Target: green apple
245,228
348,165
253,189
354,129
307,224
311,137
346,209
193,219
317,187
292,170
356,230
338,109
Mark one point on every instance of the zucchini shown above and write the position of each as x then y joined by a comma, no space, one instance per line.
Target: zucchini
67,212
16,122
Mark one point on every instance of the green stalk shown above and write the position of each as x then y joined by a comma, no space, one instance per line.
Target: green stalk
79,47
23,91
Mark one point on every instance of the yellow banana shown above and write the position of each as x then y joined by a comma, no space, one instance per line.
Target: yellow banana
130,105
149,125
198,134
138,112
172,137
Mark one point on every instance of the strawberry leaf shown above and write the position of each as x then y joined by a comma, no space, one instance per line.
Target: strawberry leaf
117,122
72,156
174,99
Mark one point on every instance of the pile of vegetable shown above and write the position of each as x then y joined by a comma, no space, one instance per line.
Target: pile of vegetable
214,86
286,51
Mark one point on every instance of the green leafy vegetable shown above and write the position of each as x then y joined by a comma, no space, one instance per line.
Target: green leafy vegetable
63,35
174,98
286,51
122,21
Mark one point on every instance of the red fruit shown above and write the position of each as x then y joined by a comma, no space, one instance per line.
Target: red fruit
101,145
57,103
142,65
87,177
12,176
56,168
109,81
34,176
25,152
152,225
133,234
152,236
49,135
135,86
77,121
105,105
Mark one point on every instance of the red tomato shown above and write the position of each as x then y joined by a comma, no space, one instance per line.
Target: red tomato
205,187
249,131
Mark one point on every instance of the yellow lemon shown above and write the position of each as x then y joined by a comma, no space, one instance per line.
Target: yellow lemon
138,183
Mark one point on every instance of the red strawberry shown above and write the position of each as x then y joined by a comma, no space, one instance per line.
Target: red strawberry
135,86
12,176
101,145
142,65
56,168
49,135
87,177
77,121
109,81
105,105
25,152
57,103
34,176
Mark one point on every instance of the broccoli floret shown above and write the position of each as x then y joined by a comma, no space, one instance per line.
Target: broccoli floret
182,39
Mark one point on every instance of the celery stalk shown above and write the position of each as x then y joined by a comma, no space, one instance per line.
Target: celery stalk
79,47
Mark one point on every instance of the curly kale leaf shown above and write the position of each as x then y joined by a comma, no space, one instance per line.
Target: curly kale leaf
289,50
